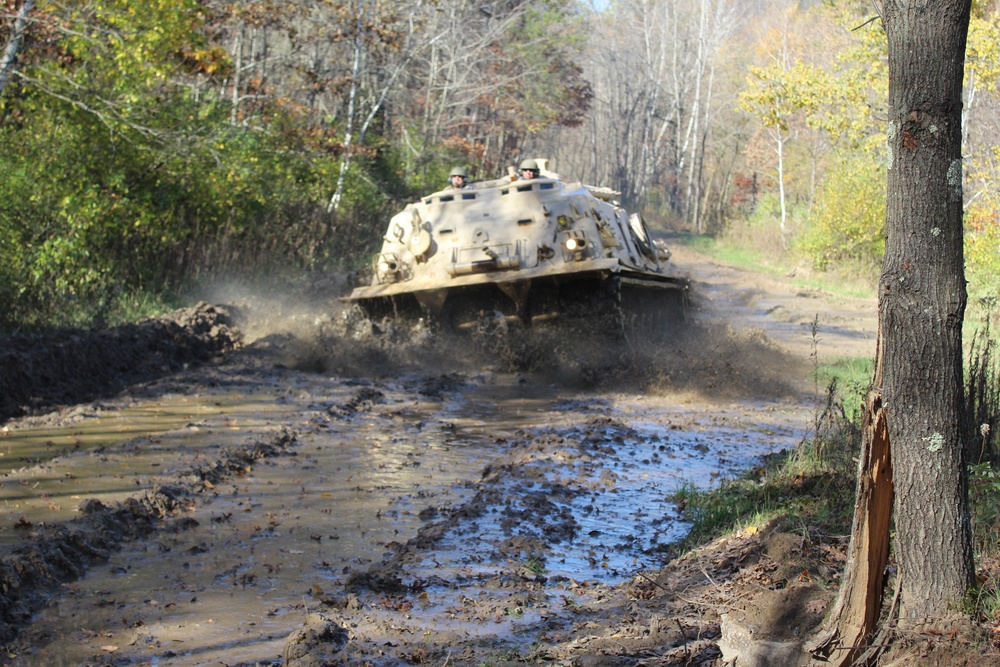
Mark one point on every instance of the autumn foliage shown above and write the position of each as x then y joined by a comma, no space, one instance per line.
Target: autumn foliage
150,144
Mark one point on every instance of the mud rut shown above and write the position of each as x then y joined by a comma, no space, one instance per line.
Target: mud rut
394,499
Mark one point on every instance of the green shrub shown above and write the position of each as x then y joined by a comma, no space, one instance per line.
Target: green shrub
982,251
848,221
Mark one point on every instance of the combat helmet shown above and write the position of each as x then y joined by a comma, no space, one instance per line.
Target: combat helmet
459,171
529,164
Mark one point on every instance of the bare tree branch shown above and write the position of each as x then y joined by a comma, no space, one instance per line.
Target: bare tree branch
109,117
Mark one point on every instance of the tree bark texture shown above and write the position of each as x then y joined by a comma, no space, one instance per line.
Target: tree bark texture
922,300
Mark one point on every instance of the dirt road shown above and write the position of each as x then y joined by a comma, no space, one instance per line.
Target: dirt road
323,495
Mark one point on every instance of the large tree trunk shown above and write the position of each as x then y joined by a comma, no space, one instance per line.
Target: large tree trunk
922,305
914,411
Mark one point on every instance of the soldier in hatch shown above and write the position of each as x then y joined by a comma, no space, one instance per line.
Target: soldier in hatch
459,178
528,170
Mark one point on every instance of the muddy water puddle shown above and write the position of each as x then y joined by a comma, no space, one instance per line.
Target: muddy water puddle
97,426
628,520
267,548
109,453
500,505
620,498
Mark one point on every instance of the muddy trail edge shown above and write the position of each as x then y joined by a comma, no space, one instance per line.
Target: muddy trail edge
205,495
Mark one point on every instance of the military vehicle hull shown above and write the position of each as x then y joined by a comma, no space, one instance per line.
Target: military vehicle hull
528,250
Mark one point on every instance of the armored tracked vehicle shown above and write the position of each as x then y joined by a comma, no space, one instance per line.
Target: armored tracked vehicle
525,250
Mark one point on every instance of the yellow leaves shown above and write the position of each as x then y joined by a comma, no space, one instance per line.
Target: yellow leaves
129,43
982,247
778,92
982,55
831,78
849,214
212,61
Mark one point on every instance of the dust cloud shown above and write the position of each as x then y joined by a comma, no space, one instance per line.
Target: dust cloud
681,353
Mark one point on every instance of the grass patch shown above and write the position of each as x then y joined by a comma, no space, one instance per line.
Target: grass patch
847,380
794,491
839,284
734,254
984,502
120,308
812,485
812,488
134,306
535,565
850,372
845,282
982,397
504,658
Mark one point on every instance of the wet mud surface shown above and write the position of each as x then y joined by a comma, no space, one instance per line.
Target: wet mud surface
39,371
308,492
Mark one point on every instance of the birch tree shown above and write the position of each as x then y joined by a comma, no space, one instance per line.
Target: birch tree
9,58
652,64
493,76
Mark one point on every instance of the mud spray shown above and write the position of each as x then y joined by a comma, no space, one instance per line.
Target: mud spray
670,351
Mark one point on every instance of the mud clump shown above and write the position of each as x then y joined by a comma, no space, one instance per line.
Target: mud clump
362,401
319,642
41,371
62,553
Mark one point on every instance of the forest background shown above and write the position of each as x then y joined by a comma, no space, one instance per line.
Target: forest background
149,145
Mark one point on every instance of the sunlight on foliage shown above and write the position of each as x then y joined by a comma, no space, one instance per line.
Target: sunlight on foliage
850,379
982,227
849,228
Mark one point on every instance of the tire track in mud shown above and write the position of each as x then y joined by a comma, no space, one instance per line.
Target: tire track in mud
431,603
516,517
321,413
532,508
61,553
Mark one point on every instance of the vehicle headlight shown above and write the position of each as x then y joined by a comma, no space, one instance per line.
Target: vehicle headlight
574,244
388,268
